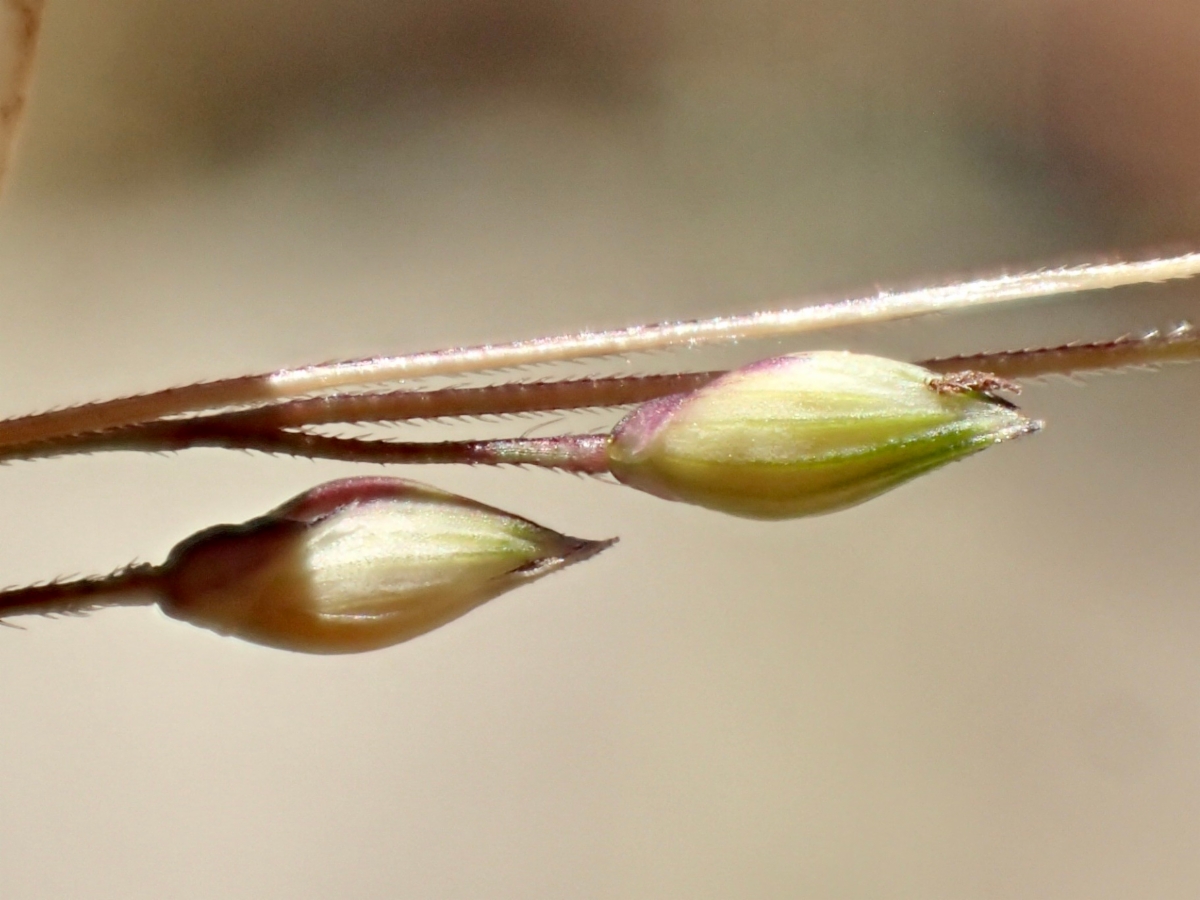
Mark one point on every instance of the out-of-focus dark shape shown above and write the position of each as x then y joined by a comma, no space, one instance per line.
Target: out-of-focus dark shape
1104,93
1122,100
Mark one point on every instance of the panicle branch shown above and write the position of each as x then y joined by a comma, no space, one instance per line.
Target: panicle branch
1178,344
273,428
295,383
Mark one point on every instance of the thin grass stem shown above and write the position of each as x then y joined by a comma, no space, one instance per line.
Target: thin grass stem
571,453
493,400
137,585
1153,349
266,429
294,383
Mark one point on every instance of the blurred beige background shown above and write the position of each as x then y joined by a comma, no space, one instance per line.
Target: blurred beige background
986,684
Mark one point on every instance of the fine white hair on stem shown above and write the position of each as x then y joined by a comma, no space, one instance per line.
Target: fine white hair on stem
20,23
883,307
291,383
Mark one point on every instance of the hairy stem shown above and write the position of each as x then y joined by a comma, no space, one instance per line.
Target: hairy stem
1179,345
292,383
493,400
584,454
570,453
138,585
265,428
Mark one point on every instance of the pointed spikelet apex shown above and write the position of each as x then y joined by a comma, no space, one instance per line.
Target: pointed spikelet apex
359,564
809,433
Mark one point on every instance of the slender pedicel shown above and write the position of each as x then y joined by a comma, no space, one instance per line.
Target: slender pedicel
136,585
